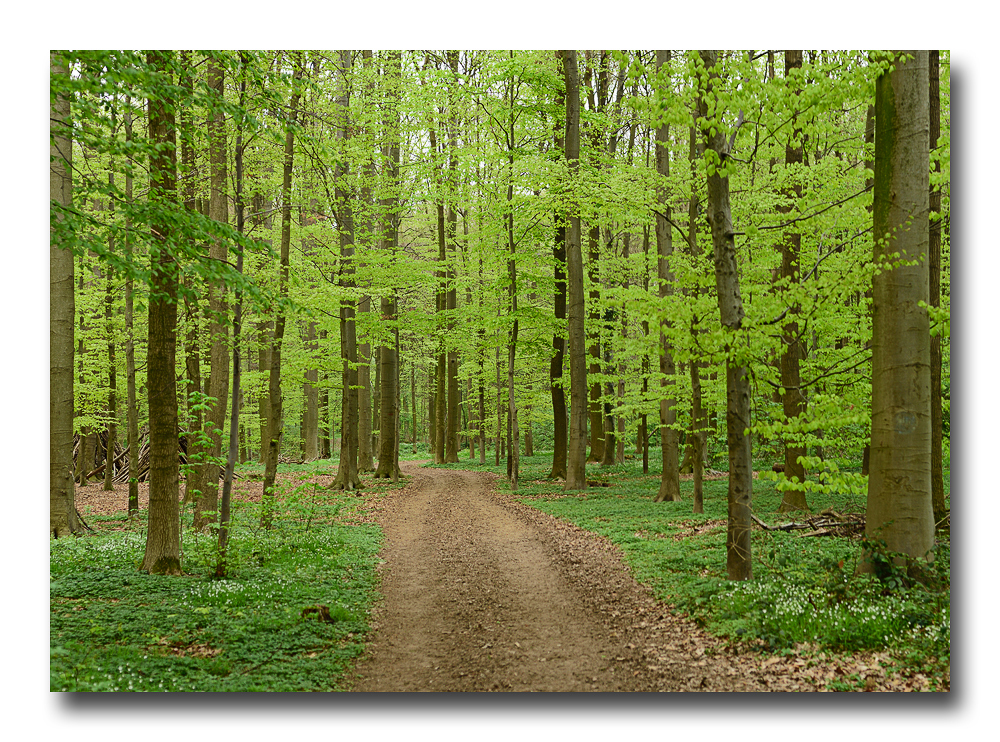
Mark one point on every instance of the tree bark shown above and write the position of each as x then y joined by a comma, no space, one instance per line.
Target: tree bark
727,284
670,485
576,470
899,510
347,471
62,312
388,457
162,555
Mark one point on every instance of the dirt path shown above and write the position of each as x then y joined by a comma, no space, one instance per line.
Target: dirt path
482,593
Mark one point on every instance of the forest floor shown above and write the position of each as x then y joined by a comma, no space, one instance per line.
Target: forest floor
484,593
481,592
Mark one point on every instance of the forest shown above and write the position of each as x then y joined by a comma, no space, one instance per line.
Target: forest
691,304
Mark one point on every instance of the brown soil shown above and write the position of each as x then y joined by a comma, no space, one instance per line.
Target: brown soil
483,593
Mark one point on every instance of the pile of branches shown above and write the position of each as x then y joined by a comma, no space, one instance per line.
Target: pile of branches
120,458
828,523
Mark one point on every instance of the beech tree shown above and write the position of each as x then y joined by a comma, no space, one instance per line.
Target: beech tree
576,472
727,285
62,511
899,508
162,554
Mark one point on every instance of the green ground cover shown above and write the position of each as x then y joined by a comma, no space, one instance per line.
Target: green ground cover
113,628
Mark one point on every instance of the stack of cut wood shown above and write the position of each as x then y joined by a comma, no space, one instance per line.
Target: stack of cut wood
120,460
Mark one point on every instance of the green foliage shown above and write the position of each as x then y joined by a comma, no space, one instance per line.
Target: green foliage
113,628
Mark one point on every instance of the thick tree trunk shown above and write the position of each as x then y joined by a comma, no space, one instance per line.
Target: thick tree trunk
62,311
576,469
162,555
900,511
727,283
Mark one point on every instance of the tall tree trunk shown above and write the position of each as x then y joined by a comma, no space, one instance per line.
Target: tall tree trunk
388,456
347,471
643,420
670,487
62,313
132,407
234,417
934,269
557,391
793,401
576,469
218,380
162,554
899,510
727,284
275,417
515,447
196,473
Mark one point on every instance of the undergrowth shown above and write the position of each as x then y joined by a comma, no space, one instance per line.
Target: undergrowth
291,615
805,591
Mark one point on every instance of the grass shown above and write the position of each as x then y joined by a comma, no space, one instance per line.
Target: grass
113,628
805,591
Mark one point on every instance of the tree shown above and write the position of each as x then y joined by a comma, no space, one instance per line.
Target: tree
62,311
347,472
388,455
899,510
727,284
558,337
793,400
275,421
162,554
218,326
670,487
576,473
